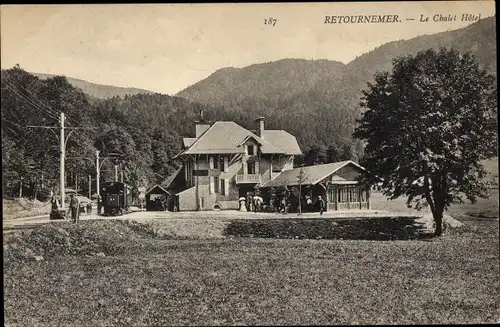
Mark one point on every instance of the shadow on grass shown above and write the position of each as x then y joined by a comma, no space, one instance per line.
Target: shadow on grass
382,229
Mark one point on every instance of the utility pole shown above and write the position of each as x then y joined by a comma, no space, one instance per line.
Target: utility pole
62,148
21,188
90,187
116,173
98,168
61,168
98,163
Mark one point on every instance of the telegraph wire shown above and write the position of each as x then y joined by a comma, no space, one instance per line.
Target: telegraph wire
29,101
26,97
34,101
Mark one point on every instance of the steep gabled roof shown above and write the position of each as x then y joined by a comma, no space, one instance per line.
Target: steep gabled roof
188,141
168,182
313,174
224,137
283,140
157,186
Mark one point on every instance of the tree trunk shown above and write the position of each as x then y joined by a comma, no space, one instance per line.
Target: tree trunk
438,219
436,203
438,213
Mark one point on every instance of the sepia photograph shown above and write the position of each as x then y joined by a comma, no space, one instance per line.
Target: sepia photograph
222,164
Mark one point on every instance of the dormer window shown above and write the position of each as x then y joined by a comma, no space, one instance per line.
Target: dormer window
251,150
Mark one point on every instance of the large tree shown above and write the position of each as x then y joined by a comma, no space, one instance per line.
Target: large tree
427,126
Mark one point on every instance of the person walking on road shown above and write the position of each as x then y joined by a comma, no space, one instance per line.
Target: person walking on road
321,204
99,204
74,206
89,208
55,204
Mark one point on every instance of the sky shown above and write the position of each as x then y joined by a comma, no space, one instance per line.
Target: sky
167,47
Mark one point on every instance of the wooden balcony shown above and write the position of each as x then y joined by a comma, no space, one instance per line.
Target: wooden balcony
248,179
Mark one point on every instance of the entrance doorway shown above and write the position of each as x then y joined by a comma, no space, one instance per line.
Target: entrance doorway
245,191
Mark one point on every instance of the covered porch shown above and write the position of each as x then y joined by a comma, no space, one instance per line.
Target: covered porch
336,183
347,195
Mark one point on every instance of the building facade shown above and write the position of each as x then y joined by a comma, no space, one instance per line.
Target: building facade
225,162
336,183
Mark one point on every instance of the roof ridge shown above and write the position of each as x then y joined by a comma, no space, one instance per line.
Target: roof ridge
258,138
329,163
199,138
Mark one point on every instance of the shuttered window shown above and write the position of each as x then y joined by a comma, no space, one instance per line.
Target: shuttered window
216,162
216,184
348,194
251,167
331,195
222,186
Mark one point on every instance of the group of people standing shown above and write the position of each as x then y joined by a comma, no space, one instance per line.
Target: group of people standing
75,208
254,203
283,205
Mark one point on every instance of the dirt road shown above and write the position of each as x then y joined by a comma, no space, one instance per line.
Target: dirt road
33,222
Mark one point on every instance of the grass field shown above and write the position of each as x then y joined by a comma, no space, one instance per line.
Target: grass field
138,279
281,271
22,207
483,207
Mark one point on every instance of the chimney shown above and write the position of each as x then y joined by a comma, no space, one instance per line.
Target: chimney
201,125
260,126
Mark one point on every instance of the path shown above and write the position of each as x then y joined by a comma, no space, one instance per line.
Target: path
33,222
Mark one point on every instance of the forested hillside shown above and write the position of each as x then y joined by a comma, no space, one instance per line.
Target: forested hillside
144,129
318,101
98,91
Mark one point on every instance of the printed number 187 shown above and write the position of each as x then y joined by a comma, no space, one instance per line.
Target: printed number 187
270,21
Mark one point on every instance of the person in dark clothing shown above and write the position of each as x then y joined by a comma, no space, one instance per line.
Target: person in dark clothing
55,205
321,205
74,207
99,204
89,208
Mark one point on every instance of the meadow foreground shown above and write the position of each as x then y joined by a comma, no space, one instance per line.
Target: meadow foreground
103,273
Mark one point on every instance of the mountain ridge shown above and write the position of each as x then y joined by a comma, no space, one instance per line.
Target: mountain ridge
318,100
96,90
310,97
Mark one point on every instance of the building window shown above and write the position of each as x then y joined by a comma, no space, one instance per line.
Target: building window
221,160
216,184
216,162
342,195
250,150
251,167
331,195
348,194
277,164
222,187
